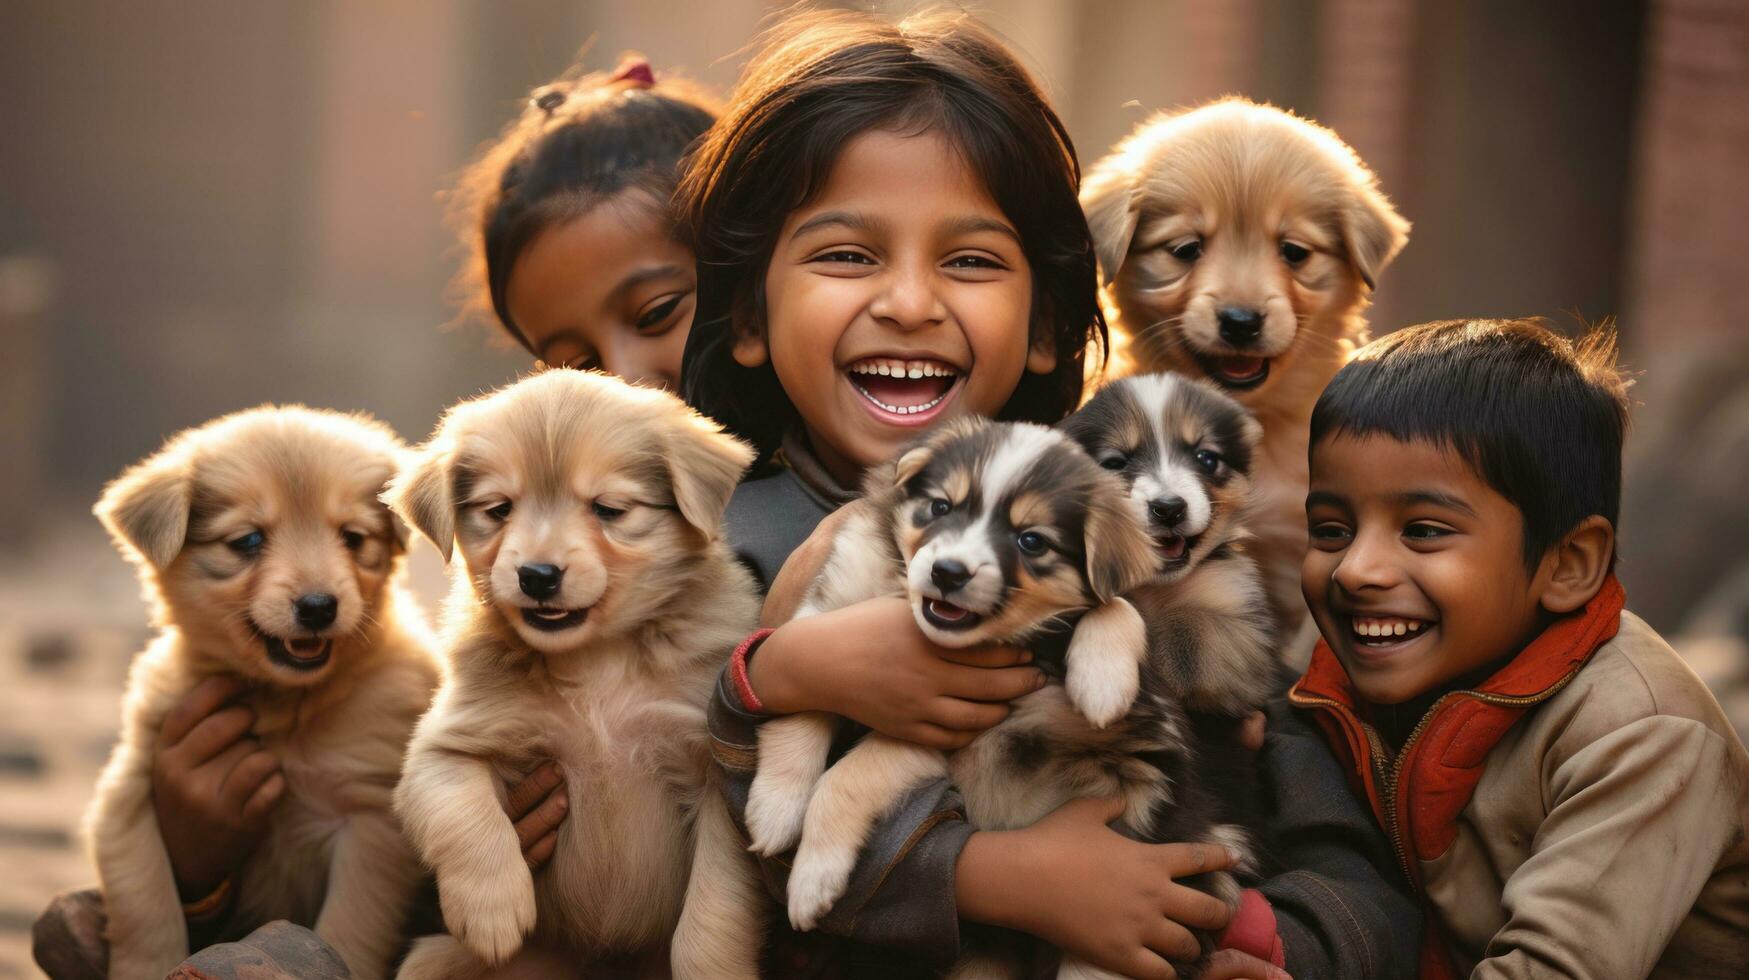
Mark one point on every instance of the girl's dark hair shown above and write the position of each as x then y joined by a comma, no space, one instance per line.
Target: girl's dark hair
580,140
1536,416
822,78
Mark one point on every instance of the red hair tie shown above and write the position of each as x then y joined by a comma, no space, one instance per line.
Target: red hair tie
637,71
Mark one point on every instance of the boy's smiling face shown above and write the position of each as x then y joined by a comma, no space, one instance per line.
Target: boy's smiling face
1415,572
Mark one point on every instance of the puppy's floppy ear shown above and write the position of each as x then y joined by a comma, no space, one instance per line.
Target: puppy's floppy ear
146,508
705,465
1373,232
1106,198
911,463
421,494
1120,554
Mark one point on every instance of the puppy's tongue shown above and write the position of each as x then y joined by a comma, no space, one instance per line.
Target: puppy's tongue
1239,368
902,392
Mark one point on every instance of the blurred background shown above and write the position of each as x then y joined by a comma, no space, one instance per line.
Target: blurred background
205,205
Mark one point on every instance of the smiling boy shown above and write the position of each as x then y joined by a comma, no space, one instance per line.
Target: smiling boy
1561,790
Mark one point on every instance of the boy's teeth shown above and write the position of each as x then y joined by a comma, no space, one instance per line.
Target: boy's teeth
1387,627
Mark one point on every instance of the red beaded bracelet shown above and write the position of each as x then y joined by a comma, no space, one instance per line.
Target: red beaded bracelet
738,670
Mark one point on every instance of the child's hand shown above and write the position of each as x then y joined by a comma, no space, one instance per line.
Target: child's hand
213,786
537,806
1073,881
869,662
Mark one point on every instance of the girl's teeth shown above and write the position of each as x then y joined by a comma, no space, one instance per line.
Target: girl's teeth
893,368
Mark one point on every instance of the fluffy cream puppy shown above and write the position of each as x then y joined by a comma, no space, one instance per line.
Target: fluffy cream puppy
593,607
1238,243
265,552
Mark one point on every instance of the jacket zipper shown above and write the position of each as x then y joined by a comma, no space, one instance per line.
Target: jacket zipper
1388,777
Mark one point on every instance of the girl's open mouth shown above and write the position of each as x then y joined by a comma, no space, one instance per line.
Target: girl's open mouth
903,391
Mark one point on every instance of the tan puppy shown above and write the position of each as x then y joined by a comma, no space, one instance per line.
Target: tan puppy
265,552
595,603
1238,243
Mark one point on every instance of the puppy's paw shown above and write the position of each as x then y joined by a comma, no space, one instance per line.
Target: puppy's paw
816,883
775,810
1103,673
489,911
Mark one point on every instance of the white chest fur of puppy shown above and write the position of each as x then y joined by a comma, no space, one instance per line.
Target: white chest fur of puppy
266,554
592,608
1238,244
995,533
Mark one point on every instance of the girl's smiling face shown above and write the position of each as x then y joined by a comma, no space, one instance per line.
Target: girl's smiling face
610,289
896,298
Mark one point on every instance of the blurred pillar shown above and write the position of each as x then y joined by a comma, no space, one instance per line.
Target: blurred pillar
26,290
1367,60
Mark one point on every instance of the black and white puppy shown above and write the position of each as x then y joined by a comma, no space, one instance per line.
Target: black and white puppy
996,533
1185,449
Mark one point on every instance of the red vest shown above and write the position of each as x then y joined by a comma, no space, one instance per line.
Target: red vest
1417,795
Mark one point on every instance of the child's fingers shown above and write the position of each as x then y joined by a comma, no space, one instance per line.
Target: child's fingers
542,851
531,790
206,697
1230,964
958,715
1198,910
213,735
993,684
1148,965
542,820
1193,858
265,797
1172,941
987,656
935,737
246,777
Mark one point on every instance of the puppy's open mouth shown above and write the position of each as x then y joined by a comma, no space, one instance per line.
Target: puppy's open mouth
298,653
944,615
1174,548
1236,372
554,620
906,391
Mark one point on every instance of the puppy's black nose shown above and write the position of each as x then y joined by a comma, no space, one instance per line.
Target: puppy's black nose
1239,325
948,575
1167,511
540,581
316,611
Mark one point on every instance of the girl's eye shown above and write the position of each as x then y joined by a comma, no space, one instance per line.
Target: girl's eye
974,262
499,512
1031,542
248,545
582,362
1114,461
354,540
1209,460
1425,532
607,513
654,315
1187,251
1329,532
939,507
1294,253
844,255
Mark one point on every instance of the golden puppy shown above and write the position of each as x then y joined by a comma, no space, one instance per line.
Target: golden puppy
595,603
1238,243
265,552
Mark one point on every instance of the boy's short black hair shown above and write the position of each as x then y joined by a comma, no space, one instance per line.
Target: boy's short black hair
1539,417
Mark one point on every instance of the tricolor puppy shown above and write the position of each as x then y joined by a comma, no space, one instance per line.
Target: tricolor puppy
1186,450
265,553
1239,243
593,606
997,533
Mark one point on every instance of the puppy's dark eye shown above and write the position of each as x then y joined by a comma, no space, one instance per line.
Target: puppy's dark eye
499,512
353,540
249,545
607,513
1188,251
939,507
1114,461
1209,460
1031,542
1294,254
